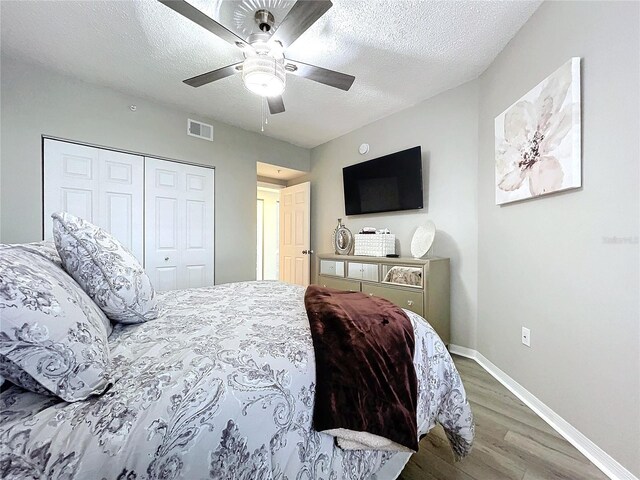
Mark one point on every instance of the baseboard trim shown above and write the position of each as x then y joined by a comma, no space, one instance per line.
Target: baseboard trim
609,466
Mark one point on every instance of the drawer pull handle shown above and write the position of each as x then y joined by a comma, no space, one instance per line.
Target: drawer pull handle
324,286
410,303
371,294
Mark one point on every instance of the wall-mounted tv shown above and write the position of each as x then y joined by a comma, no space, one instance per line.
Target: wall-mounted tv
385,184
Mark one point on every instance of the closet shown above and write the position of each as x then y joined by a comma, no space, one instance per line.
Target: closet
161,210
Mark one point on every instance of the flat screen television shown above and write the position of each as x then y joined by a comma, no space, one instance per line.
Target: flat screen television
385,184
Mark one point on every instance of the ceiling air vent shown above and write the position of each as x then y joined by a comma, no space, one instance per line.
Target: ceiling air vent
200,130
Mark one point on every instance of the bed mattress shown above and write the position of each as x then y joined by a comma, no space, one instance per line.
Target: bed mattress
220,386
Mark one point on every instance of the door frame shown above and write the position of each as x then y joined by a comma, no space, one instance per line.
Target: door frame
44,137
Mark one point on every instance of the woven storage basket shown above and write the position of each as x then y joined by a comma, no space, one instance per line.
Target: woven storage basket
375,245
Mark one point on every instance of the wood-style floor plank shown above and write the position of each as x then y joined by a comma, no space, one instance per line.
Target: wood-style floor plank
512,442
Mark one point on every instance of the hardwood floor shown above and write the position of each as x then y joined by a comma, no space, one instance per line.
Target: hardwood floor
511,442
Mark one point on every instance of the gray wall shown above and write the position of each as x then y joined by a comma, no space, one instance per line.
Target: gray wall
546,263
36,101
446,129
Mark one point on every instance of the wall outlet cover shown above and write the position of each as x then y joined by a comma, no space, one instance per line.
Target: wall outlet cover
526,336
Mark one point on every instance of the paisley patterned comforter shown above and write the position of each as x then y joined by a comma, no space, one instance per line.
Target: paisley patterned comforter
220,386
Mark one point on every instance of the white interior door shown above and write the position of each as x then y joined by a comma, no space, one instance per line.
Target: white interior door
295,238
101,186
179,226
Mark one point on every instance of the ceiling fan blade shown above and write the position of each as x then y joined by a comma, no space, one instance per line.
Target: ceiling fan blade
214,75
319,74
276,105
192,13
302,15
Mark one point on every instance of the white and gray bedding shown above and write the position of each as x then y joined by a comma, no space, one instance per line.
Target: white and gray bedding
220,385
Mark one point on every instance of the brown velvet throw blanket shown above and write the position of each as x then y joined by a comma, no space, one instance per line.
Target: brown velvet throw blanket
365,378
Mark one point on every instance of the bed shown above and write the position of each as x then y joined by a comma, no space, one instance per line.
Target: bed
220,385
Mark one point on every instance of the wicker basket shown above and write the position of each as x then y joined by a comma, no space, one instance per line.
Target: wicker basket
375,245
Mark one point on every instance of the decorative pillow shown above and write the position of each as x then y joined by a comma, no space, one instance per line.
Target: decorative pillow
53,338
105,269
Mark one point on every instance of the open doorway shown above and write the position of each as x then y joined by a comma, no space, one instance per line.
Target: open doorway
272,180
268,239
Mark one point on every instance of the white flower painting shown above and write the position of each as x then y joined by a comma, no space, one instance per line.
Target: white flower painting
538,147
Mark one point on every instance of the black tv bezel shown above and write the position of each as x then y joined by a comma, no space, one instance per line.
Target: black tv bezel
344,191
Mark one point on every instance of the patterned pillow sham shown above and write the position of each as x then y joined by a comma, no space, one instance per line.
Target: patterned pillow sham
105,269
53,338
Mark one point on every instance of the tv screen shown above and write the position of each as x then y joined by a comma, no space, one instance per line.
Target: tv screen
385,184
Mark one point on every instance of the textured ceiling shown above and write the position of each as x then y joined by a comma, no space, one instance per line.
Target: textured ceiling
401,52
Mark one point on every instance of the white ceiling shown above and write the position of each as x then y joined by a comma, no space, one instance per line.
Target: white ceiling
401,52
279,173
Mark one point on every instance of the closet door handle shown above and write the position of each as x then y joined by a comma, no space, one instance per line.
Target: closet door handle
166,259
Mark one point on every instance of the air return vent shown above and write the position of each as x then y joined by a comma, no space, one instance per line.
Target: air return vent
200,130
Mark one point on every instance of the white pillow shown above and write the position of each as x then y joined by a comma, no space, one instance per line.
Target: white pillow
53,338
105,269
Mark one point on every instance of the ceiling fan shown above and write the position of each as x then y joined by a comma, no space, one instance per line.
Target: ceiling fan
264,67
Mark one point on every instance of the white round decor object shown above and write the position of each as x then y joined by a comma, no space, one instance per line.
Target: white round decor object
423,239
364,148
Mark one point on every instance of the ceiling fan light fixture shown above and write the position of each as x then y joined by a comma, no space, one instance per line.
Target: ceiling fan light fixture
264,75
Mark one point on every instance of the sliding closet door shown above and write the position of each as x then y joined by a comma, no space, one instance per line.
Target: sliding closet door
101,186
178,224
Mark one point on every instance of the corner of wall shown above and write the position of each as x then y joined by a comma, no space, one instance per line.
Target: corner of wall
543,263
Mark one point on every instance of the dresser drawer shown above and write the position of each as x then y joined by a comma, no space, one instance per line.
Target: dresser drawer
403,298
363,271
332,267
339,283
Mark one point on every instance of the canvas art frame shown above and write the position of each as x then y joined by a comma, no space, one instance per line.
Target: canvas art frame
538,139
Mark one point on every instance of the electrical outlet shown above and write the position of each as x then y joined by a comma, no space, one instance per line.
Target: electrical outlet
526,336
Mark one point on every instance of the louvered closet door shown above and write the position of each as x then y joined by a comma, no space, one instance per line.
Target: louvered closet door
178,224
101,186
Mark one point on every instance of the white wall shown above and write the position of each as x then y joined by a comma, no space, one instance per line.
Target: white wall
446,129
36,101
545,263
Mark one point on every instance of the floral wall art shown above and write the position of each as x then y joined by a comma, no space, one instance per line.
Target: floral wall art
538,147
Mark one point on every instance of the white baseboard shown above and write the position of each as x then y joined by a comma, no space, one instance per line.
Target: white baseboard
609,466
